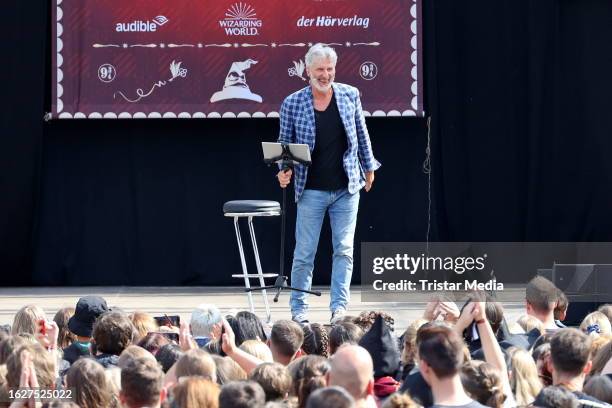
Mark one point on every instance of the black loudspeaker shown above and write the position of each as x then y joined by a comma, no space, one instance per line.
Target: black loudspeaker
575,279
578,309
593,282
604,280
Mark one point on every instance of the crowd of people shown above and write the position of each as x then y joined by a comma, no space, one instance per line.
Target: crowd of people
94,355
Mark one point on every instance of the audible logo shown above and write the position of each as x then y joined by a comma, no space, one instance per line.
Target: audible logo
141,26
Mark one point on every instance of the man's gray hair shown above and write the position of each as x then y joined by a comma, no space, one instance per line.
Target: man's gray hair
320,51
203,318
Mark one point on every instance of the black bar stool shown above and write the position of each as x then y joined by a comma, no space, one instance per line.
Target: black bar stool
249,209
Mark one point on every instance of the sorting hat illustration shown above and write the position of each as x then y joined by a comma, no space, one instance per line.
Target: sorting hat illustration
235,86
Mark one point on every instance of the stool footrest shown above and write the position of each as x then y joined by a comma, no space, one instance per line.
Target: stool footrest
256,275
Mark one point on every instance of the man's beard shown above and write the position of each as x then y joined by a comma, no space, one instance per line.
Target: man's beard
315,83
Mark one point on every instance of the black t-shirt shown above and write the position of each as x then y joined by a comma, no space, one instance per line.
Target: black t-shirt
327,171
416,386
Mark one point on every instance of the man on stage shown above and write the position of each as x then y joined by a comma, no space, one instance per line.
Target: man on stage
328,117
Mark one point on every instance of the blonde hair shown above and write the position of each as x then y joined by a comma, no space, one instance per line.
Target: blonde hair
399,400
144,323
482,382
528,323
227,370
196,362
409,350
9,345
596,324
607,310
44,363
258,349
515,328
599,342
601,358
196,392
524,381
26,320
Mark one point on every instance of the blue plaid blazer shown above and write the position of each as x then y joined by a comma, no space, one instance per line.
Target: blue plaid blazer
297,125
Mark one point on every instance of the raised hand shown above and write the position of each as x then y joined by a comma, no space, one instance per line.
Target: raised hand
228,339
186,341
465,319
431,310
47,334
450,311
27,380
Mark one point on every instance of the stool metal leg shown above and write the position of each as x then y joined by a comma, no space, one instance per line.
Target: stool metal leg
247,284
259,272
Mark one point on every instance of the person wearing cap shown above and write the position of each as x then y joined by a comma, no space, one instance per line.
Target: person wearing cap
81,324
328,117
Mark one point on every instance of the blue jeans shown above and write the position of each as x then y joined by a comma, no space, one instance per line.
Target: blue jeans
311,209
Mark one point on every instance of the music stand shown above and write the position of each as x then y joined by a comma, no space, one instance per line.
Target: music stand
286,156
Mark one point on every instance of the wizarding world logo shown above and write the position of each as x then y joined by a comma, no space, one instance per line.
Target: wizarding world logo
142,26
241,19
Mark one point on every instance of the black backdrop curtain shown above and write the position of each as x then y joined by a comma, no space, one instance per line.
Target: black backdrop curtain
518,92
520,96
139,202
23,38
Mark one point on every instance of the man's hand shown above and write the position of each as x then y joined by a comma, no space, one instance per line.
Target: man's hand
369,176
284,177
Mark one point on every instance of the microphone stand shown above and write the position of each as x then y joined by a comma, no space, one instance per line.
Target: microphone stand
286,161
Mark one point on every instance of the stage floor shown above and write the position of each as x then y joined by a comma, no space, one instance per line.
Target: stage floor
182,300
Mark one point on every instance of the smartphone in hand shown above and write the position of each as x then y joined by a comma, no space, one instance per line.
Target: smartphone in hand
169,335
165,320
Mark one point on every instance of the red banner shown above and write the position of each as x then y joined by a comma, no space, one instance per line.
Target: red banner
220,58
